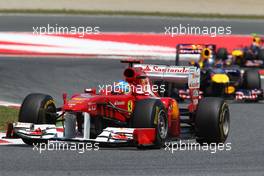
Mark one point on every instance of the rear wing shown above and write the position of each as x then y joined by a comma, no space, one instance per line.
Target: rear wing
192,52
175,74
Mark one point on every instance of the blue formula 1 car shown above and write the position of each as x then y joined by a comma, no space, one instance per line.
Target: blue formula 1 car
219,79
231,82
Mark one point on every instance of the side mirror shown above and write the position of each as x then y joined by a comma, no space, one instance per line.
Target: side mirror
90,90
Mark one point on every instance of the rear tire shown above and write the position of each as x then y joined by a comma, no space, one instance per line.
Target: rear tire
212,121
35,109
151,113
252,79
261,56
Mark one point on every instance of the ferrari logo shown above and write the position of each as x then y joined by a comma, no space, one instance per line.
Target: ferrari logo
129,106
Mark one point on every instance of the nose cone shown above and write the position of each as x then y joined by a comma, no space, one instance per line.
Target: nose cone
237,53
220,78
76,104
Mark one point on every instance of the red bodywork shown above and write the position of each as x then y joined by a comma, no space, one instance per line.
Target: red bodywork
101,104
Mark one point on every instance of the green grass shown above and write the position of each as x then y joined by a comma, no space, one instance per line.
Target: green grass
10,115
98,12
7,115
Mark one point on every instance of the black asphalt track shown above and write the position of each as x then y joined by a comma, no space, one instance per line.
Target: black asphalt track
20,76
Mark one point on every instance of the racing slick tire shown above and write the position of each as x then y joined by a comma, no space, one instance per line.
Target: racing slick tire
261,56
251,80
37,108
212,122
222,54
151,113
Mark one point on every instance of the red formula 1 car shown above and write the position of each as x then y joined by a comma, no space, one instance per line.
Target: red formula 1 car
131,113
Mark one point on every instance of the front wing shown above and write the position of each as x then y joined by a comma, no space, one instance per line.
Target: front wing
109,136
240,95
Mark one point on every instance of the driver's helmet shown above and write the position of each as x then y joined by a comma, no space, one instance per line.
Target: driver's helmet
121,87
219,64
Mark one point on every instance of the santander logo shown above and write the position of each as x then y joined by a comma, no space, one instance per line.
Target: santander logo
163,69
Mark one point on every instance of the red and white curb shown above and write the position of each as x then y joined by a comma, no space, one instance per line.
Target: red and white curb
159,46
29,44
9,104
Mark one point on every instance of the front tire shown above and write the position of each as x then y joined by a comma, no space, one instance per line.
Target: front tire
37,109
212,122
151,113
